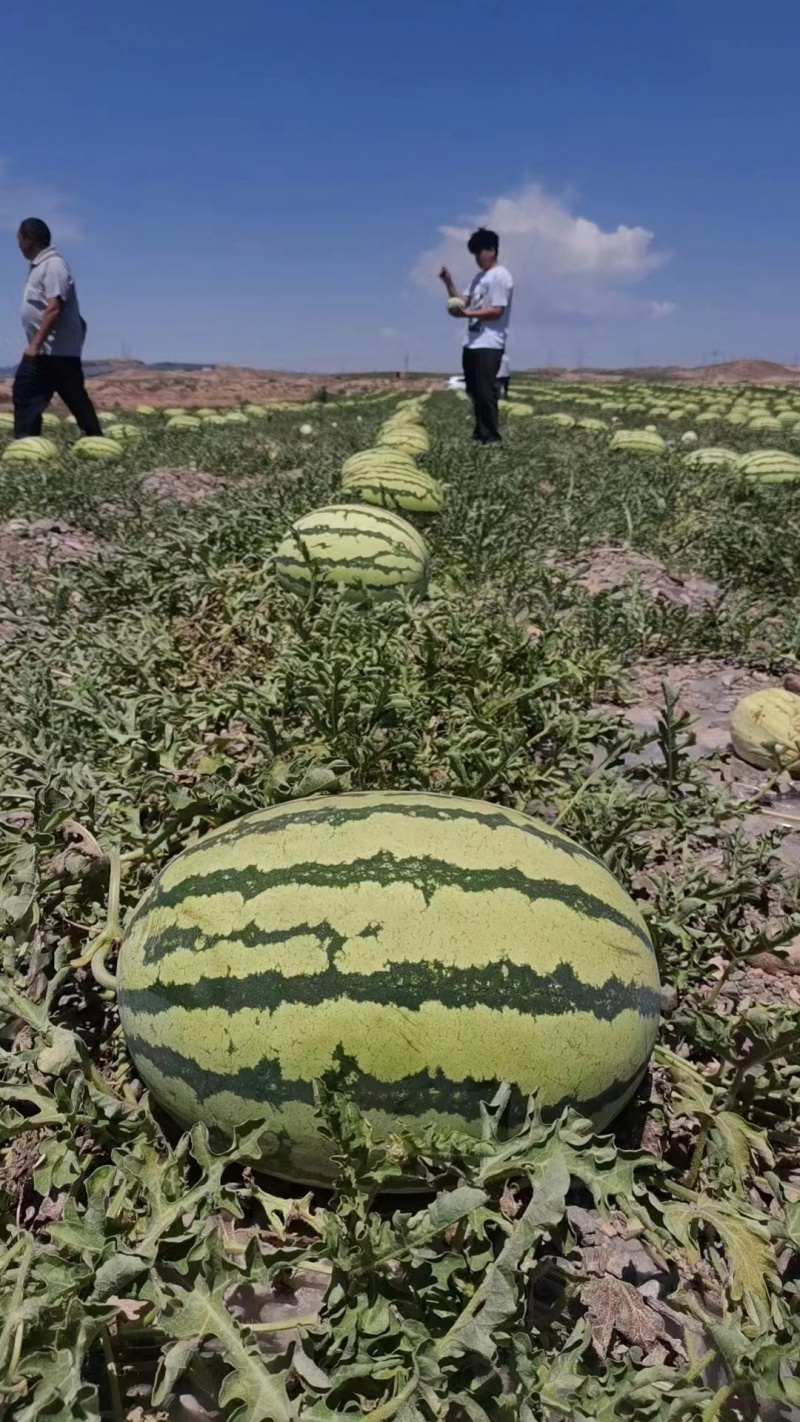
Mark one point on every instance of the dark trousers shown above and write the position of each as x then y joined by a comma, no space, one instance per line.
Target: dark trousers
35,384
480,376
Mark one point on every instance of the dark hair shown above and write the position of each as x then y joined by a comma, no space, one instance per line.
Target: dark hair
484,240
35,231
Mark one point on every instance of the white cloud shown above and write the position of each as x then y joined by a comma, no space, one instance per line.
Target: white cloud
564,265
20,198
390,333
660,309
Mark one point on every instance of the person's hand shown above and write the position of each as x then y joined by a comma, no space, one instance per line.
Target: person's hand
30,352
445,276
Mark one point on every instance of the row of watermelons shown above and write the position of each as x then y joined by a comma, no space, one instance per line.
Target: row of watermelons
375,549
762,466
120,433
419,948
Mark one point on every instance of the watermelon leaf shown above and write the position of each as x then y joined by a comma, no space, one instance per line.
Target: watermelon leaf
201,1314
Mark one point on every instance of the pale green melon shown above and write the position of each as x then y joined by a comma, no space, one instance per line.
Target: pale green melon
765,729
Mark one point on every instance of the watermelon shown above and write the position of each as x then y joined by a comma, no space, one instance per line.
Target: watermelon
98,447
184,422
410,438
766,464
123,434
713,457
765,728
415,948
415,491
374,461
638,441
372,550
33,449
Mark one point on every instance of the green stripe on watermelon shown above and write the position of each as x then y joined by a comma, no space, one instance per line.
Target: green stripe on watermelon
444,1098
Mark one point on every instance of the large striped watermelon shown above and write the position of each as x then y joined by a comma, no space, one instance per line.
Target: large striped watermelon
420,948
374,550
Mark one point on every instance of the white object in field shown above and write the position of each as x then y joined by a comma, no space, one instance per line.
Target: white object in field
456,382
455,305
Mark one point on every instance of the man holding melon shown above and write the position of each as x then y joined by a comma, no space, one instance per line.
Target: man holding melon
486,307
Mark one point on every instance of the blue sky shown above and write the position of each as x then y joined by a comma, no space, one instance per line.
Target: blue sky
267,185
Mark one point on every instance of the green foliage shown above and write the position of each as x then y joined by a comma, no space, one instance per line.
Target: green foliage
164,685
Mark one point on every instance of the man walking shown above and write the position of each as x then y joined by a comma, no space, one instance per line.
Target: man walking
487,310
54,331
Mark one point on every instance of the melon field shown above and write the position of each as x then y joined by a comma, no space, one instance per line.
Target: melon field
214,614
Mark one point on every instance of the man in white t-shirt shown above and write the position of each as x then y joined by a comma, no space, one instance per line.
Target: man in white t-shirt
54,335
487,310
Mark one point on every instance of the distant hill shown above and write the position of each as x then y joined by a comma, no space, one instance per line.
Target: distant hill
116,367
731,372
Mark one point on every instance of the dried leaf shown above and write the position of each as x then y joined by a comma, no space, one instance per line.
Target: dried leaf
614,1306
